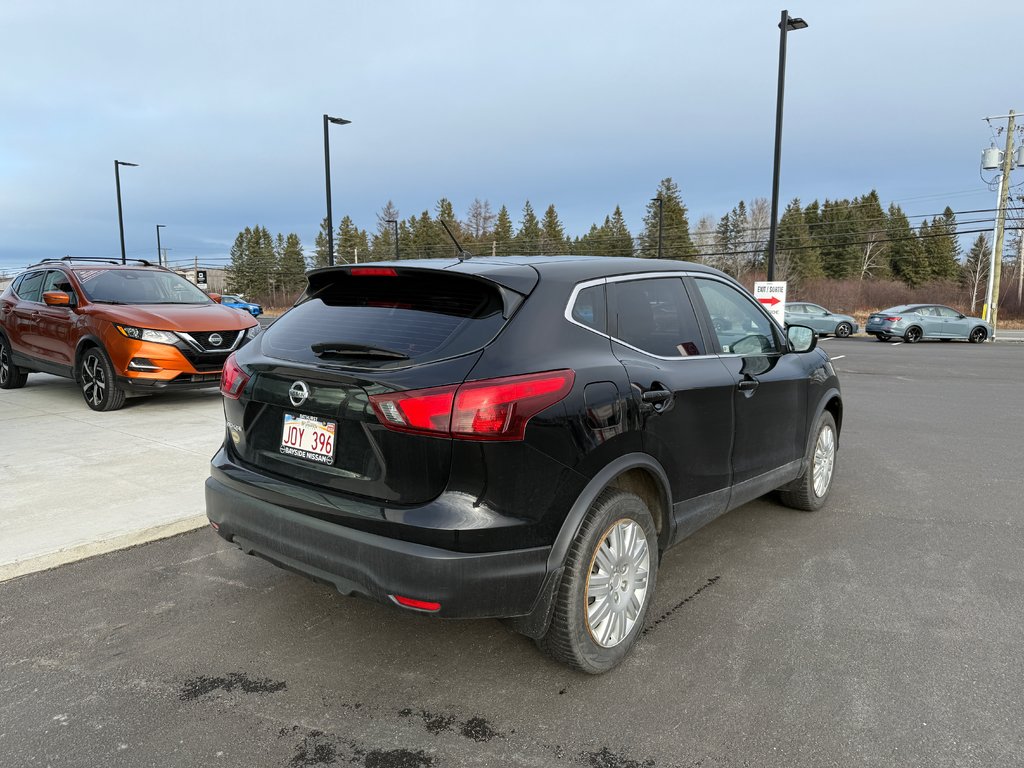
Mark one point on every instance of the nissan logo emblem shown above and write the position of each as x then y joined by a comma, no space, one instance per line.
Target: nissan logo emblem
216,339
298,392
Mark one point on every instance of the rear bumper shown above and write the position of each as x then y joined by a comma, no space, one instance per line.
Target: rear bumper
467,585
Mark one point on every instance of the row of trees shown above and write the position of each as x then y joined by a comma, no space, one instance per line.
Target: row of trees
836,239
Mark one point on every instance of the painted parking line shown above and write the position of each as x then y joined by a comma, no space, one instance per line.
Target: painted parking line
839,357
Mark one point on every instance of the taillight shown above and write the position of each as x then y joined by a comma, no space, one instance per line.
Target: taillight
893,319
491,409
232,379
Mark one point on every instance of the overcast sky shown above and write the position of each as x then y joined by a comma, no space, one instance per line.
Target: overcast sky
586,105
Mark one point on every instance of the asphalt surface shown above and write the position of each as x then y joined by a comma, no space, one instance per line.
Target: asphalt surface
883,630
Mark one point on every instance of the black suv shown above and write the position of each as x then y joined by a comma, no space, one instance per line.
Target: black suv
516,437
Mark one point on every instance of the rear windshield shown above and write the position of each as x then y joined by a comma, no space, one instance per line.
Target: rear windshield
138,286
414,316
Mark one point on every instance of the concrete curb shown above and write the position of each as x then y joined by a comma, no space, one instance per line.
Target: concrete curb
50,560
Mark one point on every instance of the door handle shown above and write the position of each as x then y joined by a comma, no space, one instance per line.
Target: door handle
747,385
656,396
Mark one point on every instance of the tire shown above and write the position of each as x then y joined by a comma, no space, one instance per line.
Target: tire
11,376
95,375
843,330
913,335
810,491
881,337
593,625
978,335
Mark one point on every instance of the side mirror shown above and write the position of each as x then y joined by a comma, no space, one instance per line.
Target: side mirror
216,297
801,338
56,299
961,317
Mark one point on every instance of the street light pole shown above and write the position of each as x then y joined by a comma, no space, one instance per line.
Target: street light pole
661,221
394,225
159,253
120,216
785,25
327,174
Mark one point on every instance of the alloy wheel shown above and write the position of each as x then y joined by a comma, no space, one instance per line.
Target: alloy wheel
824,460
617,583
94,380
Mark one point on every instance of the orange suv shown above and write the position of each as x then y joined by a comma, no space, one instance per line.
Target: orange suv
116,329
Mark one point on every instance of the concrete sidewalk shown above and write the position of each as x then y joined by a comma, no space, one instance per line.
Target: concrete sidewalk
75,483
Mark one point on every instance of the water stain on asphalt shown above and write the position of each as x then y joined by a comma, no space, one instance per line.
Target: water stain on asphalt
198,687
318,748
605,758
478,729
668,614
434,723
314,749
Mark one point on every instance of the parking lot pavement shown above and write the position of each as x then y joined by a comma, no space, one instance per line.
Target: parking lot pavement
75,482
883,630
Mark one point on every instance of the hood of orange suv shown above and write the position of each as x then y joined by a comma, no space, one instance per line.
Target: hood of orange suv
175,317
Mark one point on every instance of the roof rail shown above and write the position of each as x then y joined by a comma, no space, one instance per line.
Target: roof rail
101,259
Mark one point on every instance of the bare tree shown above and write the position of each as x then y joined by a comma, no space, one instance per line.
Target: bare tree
480,219
873,253
704,239
760,227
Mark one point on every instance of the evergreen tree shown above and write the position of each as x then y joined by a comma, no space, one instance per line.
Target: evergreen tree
906,254
552,235
619,240
502,237
836,233
239,272
382,248
321,252
796,257
291,266
348,241
527,240
676,242
941,246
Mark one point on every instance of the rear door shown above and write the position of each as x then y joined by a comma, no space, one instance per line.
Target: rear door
931,322
683,391
25,336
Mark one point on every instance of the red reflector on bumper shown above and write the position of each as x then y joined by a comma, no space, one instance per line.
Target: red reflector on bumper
214,526
418,605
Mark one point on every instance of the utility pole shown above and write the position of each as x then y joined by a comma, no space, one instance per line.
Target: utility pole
991,312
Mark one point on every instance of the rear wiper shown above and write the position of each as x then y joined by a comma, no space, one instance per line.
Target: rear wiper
346,349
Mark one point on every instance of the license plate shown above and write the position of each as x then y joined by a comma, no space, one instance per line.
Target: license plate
309,438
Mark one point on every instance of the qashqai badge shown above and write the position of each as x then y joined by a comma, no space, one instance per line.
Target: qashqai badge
298,392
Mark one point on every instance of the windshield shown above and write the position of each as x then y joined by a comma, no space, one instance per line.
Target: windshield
138,286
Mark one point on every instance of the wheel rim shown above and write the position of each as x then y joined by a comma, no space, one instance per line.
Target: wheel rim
843,330
94,380
617,583
977,335
824,460
913,335
5,364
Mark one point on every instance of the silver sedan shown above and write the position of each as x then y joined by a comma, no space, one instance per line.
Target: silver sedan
820,319
913,322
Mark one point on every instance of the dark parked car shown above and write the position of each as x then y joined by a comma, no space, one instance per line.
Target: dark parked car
516,437
914,322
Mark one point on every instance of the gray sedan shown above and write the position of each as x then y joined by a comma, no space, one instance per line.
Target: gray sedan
913,322
820,319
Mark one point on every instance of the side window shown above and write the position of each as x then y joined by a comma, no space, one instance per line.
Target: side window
741,327
813,310
29,286
949,313
656,316
590,308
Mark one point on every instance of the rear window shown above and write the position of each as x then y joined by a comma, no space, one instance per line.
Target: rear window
418,316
